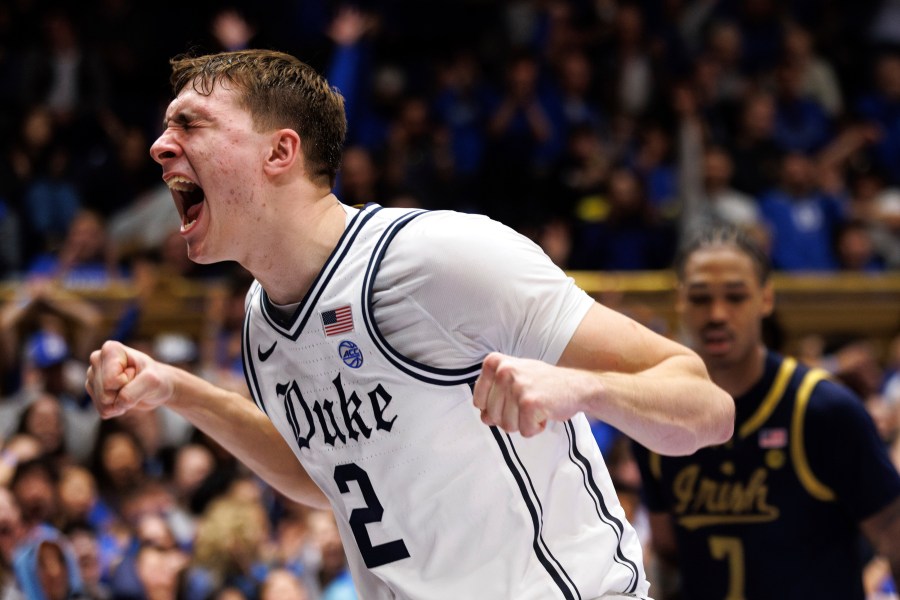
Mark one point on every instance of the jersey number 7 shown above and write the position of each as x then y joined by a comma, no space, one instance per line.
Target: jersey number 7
732,550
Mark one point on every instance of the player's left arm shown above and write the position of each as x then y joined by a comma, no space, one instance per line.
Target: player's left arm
883,530
651,388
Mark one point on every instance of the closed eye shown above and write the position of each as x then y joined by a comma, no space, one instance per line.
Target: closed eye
180,121
699,299
706,299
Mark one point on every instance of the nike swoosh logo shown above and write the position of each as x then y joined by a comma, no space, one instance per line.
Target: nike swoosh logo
264,356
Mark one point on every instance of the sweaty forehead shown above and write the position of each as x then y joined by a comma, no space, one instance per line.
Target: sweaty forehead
188,98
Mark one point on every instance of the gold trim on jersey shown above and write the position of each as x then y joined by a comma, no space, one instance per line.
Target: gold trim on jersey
770,402
807,478
692,522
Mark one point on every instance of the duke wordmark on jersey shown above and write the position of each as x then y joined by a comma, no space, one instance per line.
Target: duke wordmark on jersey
349,422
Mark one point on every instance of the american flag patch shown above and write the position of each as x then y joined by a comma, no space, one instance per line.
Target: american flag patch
339,320
774,437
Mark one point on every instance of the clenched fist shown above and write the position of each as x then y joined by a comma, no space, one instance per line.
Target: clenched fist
120,379
520,394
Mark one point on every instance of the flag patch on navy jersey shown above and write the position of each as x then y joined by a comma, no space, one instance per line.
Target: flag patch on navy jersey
774,437
338,320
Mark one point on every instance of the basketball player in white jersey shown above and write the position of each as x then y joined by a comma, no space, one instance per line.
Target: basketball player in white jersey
424,374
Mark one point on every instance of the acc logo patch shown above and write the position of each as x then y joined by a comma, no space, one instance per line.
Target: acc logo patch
350,354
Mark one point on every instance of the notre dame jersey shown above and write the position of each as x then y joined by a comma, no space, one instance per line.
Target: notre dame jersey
773,513
430,502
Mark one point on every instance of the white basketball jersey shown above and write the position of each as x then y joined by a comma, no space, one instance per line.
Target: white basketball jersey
430,502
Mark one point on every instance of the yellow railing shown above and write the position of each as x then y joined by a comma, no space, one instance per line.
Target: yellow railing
845,304
837,306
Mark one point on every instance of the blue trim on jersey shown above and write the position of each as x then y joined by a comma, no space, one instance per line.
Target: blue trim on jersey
546,558
420,371
290,327
600,505
247,354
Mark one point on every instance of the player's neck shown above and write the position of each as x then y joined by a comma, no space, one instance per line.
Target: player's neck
737,378
297,246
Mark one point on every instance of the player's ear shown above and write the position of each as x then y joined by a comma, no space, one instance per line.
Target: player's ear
284,151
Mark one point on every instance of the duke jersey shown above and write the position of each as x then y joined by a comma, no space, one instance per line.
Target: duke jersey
773,513
430,502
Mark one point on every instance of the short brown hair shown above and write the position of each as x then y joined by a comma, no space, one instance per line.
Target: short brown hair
278,90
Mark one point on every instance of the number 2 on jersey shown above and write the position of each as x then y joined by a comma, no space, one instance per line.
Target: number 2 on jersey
374,556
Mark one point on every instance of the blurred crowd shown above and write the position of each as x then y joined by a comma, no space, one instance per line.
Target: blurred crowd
605,130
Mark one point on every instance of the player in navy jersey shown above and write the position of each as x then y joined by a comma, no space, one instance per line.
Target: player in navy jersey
423,374
775,512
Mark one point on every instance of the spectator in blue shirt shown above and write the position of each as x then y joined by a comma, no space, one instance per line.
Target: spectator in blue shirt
627,234
802,220
801,123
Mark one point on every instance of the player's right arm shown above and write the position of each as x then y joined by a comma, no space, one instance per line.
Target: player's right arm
883,530
120,379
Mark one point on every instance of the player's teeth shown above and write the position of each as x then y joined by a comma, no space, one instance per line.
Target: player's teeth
181,184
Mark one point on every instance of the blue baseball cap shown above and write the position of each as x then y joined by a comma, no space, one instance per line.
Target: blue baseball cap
46,349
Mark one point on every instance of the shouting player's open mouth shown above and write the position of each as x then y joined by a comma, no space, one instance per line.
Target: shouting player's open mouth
189,200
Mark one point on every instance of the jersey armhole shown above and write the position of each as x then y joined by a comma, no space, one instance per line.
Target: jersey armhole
415,369
807,478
